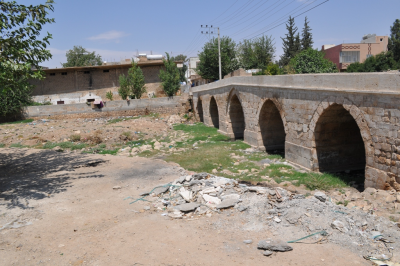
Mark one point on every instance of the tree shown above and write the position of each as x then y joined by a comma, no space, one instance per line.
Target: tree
312,61
208,68
291,43
394,40
306,36
380,62
170,77
256,53
133,83
79,56
21,52
183,69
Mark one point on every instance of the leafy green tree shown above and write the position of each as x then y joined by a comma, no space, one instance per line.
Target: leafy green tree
394,40
79,56
256,53
132,84
312,61
170,77
306,36
380,62
21,52
291,43
272,69
208,68
183,69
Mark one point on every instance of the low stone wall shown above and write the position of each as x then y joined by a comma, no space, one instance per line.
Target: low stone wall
165,105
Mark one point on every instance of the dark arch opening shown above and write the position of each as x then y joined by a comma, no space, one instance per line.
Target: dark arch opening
214,112
272,128
338,141
200,110
237,117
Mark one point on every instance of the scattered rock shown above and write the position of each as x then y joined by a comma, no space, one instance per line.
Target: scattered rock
267,253
117,187
161,190
249,241
227,203
187,207
339,226
175,215
146,208
274,245
320,196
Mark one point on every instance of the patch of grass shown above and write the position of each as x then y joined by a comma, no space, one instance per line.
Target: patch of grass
18,122
344,203
18,145
2,145
392,218
64,145
199,131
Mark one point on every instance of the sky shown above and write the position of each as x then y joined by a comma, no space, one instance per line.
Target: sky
120,29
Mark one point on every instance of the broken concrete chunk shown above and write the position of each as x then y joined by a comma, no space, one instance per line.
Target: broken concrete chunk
320,196
230,196
175,215
160,190
227,203
339,226
187,207
274,245
186,194
258,190
213,201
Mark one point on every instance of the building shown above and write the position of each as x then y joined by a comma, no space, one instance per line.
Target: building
85,84
346,53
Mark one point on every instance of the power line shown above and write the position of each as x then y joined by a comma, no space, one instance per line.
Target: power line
292,12
224,11
233,25
293,17
241,9
193,42
257,22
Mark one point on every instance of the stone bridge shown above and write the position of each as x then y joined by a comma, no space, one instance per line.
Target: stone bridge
323,122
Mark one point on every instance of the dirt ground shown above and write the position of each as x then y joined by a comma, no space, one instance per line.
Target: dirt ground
63,210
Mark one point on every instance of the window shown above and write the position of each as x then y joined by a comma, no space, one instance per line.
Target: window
349,56
106,70
381,39
52,74
86,72
89,100
64,73
60,102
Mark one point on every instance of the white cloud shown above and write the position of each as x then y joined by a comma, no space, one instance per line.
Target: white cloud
109,35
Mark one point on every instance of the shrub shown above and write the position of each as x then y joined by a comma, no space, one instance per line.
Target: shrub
75,137
109,95
312,61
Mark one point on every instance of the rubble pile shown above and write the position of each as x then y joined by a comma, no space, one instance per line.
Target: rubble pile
288,215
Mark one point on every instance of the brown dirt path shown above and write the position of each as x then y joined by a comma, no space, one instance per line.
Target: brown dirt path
77,218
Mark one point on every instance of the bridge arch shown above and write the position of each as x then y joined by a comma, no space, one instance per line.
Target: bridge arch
199,109
214,114
271,126
235,116
340,137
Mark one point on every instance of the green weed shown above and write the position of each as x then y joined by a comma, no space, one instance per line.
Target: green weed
18,122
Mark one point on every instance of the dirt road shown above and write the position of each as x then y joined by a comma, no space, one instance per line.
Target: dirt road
61,209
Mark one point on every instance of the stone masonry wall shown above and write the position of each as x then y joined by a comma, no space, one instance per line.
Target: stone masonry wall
364,104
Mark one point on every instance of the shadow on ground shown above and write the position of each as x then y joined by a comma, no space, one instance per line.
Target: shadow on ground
24,174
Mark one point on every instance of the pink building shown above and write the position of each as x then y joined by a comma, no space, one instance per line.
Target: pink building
346,53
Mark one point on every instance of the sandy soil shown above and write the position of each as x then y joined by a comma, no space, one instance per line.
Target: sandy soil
68,213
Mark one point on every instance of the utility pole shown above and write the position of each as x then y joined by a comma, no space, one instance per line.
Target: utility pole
210,31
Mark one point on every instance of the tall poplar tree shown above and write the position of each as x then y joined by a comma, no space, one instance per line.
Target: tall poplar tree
394,40
291,43
306,36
